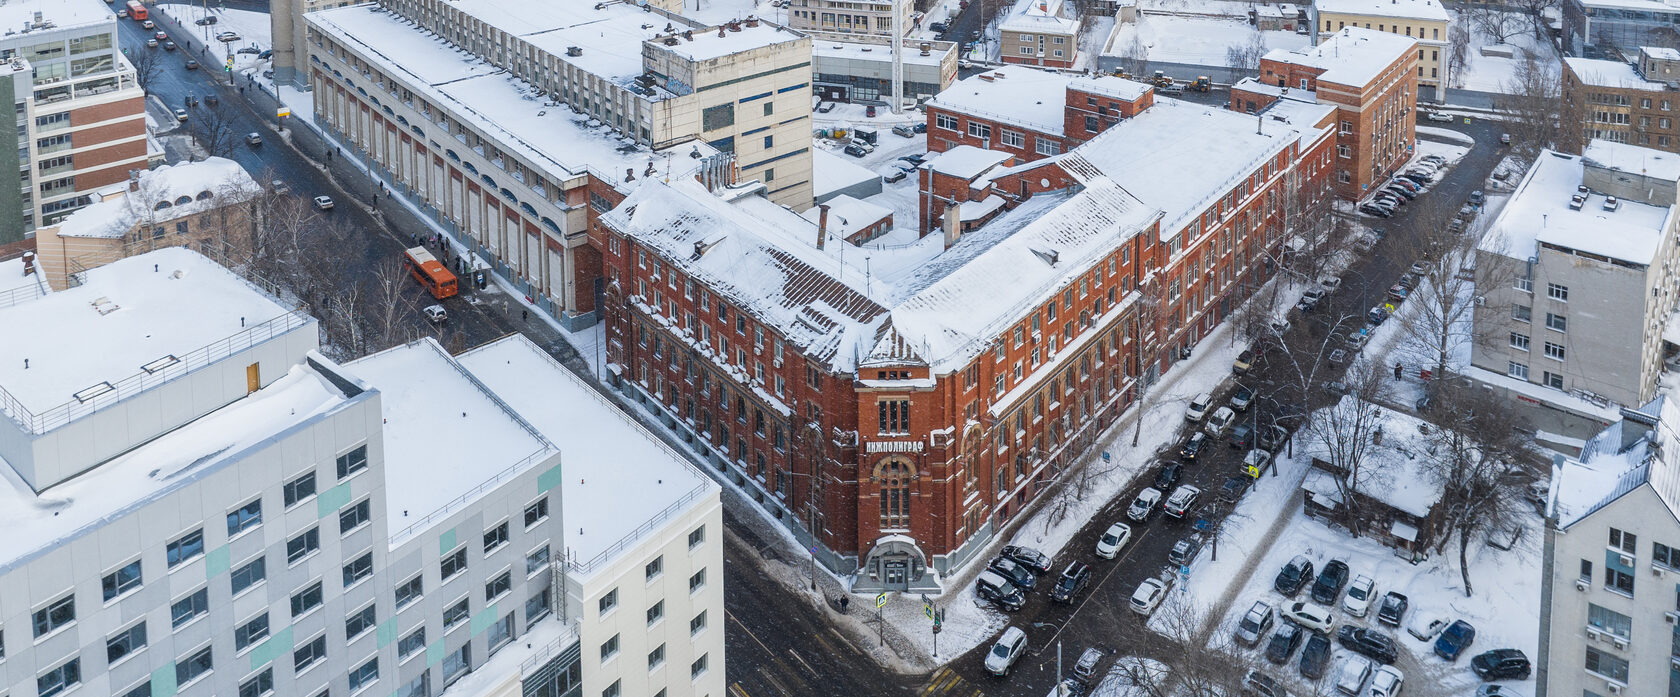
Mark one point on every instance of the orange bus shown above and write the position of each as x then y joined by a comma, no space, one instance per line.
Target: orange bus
430,272
136,11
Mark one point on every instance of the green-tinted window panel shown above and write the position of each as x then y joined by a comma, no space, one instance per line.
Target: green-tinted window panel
446,541
386,632
329,501
163,681
483,620
216,562
548,480
434,653
278,645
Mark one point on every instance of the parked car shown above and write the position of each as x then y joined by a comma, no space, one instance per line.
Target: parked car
1016,573
435,314
1008,649
180,114
1144,504
1315,656
1373,209
1167,477
1386,682
1198,407
1117,535
206,20
1360,593
151,43
1309,300
212,100
1242,399
904,131
324,203
1502,664
1260,684
1438,117
1148,596
1493,690
227,36
1293,576
1193,446
1368,642
1377,315
1393,609
1425,628
1354,672
1255,461
1243,362
1074,578
893,175
1399,292
1219,421
1035,561
1255,623
1272,438
999,591
1328,587
1182,500
1504,139
1234,488
1477,198
1242,436
1309,616
1086,667
1283,643
855,150
1454,640
1185,550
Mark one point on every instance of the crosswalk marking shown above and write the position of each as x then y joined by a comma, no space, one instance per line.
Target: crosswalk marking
735,689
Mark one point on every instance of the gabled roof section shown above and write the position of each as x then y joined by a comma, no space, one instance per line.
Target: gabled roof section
1626,455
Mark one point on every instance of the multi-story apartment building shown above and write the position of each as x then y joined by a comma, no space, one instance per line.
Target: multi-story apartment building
1030,114
836,17
1615,29
1611,553
1371,79
81,121
555,130
1621,102
899,414
200,204
1424,20
861,70
1576,279
1044,33
241,515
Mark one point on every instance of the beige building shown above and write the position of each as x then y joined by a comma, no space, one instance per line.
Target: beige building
1040,32
850,16
1621,102
1424,20
1575,279
192,204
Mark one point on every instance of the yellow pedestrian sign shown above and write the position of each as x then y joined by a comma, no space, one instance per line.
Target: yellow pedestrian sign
881,599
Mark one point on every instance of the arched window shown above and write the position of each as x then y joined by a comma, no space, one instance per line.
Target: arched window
183,200
895,496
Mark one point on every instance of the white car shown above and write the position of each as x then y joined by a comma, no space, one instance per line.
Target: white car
1117,535
324,203
1386,682
1198,407
1219,421
1438,117
1351,678
1144,504
1008,649
1148,596
1360,593
435,313
1181,500
1310,616
1256,461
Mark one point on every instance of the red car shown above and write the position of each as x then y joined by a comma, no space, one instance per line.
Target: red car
160,36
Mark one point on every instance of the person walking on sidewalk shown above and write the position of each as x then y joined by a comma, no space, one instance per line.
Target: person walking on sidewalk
1398,370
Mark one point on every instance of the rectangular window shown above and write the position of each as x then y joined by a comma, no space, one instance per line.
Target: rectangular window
497,586
495,537
251,632
656,613
455,614
309,653
352,462
697,581
354,516
189,546
698,667
1607,665
979,130
1557,322
457,664
410,591
360,621
1610,621
453,564
697,624
945,121
359,569
303,545
656,657
1554,351
609,648
1557,292
1516,370
307,599
696,537
654,568
415,641
716,117
607,602
299,489
1519,341
193,667
249,574
1525,285
56,614
189,608
536,512
64,677
536,561
244,518
121,581
125,642
894,415
365,674
1522,313
259,684
1624,541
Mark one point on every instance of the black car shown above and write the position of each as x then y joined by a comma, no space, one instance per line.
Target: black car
1074,578
206,21
1035,561
1315,656
1241,436
992,587
1283,643
1016,573
920,127
1234,488
1293,576
1502,664
1192,447
1167,478
1185,550
1393,609
1362,640
1329,584
1272,437
938,27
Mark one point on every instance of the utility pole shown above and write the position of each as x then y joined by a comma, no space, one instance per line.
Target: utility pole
897,40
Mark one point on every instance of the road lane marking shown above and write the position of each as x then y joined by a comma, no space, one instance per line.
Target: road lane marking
764,672
796,657
743,627
735,689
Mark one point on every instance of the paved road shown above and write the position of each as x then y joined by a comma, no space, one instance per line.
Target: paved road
1102,617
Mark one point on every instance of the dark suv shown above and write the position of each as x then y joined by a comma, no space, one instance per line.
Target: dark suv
1393,609
1035,561
1193,447
1294,575
1283,643
1168,477
1315,656
1502,664
1016,573
1330,582
1074,578
1377,647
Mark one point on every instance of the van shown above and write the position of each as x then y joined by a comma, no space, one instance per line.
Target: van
904,130
1173,89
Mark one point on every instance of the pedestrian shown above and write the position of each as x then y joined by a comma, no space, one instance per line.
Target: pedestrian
844,601
524,316
1398,371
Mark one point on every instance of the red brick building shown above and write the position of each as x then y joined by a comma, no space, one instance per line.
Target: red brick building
904,415
1030,114
1370,77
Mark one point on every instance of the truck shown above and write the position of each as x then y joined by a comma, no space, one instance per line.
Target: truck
430,272
1202,84
1160,79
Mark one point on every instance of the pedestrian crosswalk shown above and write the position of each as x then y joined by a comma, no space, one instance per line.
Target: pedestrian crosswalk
946,683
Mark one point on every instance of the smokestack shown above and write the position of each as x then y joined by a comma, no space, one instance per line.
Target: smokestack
822,225
952,223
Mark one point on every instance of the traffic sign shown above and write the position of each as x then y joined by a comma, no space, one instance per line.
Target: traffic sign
880,599
283,112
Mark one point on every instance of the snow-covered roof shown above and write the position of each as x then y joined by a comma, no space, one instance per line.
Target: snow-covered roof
208,184
1660,7
1111,86
1606,469
1633,159
119,487
610,33
124,315
1404,9
965,161
1661,53
713,44
1224,145
553,138
1016,95
831,173
1538,211
829,48
1310,118
1393,471
619,477
1041,17
1249,84
445,435
1603,73
63,14
847,215
1353,56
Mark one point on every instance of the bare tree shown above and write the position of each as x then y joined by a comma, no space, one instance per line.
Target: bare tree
1496,24
147,66
1134,58
214,129
1540,114
1535,11
1343,435
1145,334
1245,57
1458,52
1436,323
1204,662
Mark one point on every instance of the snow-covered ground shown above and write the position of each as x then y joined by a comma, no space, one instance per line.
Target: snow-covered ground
1493,73
1194,40
252,27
